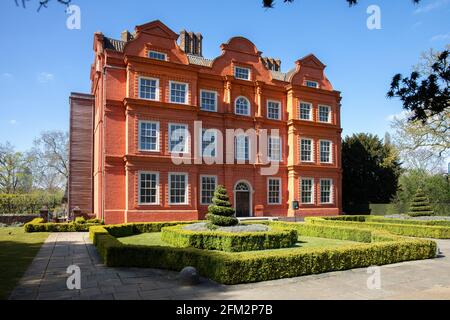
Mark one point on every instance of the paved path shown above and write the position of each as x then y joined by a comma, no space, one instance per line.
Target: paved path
46,279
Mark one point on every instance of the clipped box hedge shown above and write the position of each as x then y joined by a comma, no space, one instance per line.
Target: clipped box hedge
405,229
275,238
245,267
38,225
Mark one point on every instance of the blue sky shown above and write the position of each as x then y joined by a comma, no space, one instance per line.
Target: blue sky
41,61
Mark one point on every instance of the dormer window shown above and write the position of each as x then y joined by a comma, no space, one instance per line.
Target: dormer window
242,73
157,55
312,84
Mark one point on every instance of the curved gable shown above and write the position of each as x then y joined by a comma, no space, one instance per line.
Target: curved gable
312,69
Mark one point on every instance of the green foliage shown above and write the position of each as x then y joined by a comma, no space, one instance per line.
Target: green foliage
80,220
277,237
29,203
370,172
221,213
244,267
420,205
412,229
38,225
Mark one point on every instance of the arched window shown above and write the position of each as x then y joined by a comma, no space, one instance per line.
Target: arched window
242,106
242,186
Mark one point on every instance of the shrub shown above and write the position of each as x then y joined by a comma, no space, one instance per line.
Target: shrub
420,205
29,203
38,225
411,230
80,220
221,213
244,267
277,237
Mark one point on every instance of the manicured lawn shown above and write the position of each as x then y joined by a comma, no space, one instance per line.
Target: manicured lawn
17,250
154,239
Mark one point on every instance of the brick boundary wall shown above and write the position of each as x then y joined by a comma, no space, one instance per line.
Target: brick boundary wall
17,218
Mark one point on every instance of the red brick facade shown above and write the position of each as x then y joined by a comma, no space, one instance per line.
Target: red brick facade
131,114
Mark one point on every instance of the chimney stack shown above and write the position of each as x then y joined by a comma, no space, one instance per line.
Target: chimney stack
272,64
191,43
126,36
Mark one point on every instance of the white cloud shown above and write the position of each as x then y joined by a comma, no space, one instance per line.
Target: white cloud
440,37
431,6
45,77
13,122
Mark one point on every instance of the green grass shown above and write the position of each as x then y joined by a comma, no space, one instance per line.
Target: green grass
17,250
154,239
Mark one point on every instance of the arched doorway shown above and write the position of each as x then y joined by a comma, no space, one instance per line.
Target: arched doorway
243,199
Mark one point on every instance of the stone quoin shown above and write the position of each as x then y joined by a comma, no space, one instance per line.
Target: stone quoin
148,90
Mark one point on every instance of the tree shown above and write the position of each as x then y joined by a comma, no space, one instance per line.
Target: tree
420,205
425,96
42,3
221,213
15,173
436,186
270,3
50,164
371,170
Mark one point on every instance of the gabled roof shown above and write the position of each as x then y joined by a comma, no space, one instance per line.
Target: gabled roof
158,28
113,44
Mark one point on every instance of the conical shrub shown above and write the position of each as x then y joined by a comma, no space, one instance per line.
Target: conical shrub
221,213
420,205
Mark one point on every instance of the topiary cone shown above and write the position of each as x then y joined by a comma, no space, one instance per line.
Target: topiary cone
420,205
221,213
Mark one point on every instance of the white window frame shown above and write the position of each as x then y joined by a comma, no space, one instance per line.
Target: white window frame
312,81
157,52
269,149
279,109
201,187
187,140
246,137
186,191
300,150
186,94
158,188
242,68
215,99
310,111
156,92
331,151
312,191
280,193
248,109
331,190
329,113
216,134
158,135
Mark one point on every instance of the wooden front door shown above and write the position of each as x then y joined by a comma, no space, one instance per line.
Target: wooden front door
242,203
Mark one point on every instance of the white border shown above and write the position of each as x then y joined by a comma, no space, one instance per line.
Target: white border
331,151
331,191
249,106
201,186
159,52
300,149
312,191
279,192
306,85
215,100
187,141
249,73
279,109
281,148
329,113
157,88
186,192
158,136
186,95
310,111
157,188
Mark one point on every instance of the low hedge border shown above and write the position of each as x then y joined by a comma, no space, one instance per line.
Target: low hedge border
404,229
38,225
245,267
275,238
